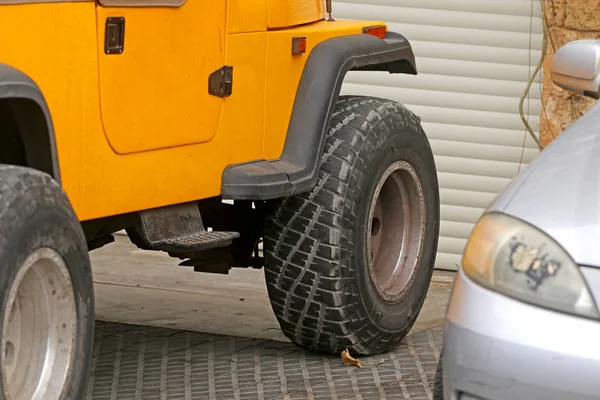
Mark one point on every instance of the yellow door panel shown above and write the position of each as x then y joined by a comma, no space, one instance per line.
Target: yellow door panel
120,184
155,93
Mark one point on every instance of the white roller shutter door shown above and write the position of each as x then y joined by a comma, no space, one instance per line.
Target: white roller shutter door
474,59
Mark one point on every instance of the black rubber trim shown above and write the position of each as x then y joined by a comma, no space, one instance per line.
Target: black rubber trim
15,84
296,171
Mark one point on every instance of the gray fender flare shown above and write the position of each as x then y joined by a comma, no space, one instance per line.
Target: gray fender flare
296,171
31,111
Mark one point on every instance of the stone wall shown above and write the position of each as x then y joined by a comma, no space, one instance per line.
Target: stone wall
567,20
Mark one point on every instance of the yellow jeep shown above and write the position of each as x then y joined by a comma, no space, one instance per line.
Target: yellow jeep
214,131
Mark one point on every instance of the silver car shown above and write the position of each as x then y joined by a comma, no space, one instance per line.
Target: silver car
523,320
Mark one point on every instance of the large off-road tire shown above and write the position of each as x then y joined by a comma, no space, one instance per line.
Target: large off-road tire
348,264
46,291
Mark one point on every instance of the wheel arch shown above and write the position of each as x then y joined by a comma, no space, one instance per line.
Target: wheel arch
30,141
296,171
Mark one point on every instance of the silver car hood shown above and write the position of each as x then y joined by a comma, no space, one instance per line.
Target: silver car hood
559,192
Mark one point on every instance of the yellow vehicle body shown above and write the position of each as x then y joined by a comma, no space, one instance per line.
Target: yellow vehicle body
139,130
203,128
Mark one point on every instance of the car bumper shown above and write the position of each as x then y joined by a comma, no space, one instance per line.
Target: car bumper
499,348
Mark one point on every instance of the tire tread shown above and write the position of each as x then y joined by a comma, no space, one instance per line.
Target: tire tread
304,260
35,212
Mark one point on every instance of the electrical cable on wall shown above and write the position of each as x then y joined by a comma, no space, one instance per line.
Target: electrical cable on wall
532,78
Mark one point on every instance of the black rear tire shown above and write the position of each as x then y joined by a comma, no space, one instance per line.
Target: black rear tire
46,290
317,262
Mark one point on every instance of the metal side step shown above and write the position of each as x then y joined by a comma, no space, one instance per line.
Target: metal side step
179,230
197,242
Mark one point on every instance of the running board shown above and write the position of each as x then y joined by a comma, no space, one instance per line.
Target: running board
179,229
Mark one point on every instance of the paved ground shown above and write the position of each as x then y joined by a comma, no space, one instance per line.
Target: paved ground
176,334
133,362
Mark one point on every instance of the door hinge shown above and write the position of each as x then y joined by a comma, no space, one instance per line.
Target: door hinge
220,82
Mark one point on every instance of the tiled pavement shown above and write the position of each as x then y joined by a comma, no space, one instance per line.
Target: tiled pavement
135,362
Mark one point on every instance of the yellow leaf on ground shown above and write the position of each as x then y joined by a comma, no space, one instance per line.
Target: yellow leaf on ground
349,360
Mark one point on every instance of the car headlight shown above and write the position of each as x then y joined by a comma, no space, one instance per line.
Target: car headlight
512,257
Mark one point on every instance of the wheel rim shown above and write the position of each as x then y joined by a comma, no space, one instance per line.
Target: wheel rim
396,230
39,328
